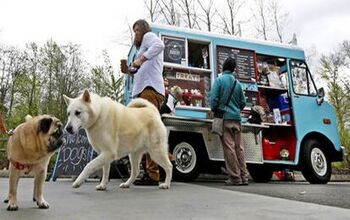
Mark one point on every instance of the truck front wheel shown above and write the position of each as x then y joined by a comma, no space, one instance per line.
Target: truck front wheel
187,162
316,166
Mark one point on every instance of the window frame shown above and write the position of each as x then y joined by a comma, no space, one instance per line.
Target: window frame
308,78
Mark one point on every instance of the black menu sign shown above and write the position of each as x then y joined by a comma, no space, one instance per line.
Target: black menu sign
174,51
245,69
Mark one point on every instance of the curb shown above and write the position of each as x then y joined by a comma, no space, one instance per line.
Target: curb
297,176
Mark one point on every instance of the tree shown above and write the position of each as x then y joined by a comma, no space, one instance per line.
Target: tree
152,8
32,66
169,12
209,13
229,23
63,72
279,18
15,81
188,8
12,70
5,77
270,20
261,22
333,70
51,62
105,82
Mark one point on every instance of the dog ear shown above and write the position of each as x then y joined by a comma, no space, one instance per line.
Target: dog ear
86,96
44,125
67,100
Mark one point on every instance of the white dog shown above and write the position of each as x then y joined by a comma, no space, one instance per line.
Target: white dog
115,130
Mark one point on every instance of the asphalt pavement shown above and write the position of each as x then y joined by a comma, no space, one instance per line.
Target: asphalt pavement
182,201
335,194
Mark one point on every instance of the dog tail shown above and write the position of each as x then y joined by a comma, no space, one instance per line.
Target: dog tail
141,103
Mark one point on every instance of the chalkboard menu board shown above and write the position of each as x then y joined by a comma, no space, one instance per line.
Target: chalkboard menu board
73,155
245,69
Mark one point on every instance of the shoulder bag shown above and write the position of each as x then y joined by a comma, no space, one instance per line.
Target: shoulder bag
218,121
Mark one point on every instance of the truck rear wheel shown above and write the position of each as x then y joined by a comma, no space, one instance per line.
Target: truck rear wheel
316,166
187,162
260,173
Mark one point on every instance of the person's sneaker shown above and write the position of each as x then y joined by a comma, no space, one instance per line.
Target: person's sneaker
146,181
231,182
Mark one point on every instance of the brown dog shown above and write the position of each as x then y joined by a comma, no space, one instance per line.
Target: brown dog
29,150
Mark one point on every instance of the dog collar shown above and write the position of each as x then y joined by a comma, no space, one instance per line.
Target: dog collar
20,166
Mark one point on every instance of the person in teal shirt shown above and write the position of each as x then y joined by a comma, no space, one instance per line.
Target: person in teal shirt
231,136
220,93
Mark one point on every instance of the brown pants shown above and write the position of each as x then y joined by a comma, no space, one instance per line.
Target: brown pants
233,151
157,99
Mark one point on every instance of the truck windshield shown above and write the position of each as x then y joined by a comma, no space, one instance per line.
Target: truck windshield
302,80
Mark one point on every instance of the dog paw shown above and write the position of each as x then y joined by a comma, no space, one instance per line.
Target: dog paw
101,187
43,205
12,207
164,186
124,185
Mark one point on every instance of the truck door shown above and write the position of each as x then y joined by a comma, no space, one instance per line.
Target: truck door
309,115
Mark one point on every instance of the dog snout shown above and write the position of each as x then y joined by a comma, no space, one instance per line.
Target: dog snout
59,131
69,129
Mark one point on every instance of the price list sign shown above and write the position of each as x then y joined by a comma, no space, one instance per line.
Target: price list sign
245,68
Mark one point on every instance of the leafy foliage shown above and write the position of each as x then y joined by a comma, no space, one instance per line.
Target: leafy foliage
33,80
334,70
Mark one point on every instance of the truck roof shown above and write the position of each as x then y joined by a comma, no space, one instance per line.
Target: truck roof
259,46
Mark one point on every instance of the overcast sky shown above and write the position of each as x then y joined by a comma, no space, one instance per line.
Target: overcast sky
101,24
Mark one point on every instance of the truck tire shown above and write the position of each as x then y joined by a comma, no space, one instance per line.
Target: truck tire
187,162
260,173
316,166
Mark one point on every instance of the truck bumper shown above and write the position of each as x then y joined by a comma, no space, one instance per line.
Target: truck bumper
344,153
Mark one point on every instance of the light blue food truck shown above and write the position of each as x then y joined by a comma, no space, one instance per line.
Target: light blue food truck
298,130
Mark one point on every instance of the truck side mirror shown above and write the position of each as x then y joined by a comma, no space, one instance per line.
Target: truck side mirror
320,96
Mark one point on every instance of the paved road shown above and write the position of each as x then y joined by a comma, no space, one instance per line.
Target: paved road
335,194
182,201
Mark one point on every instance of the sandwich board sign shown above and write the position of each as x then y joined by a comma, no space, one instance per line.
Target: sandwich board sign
73,155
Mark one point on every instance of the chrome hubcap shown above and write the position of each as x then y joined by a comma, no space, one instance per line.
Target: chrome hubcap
185,157
319,162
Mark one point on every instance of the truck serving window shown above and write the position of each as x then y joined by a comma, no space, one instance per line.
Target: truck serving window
303,83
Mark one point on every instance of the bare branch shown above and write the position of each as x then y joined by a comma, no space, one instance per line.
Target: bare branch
188,8
260,18
153,9
229,22
209,14
168,10
279,18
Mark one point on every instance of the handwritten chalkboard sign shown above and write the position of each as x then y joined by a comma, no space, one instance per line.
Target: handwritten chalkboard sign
73,155
245,69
